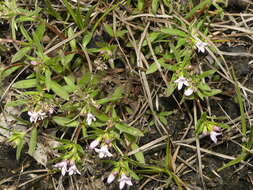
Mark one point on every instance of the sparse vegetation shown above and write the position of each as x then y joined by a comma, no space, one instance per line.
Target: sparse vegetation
126,92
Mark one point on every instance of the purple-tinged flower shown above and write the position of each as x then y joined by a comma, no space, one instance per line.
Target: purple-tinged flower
188,92
111,177
180,82
108,141
124,180
213,136
73,170
62,166
94,144
90,118
216,128
215,133
34,63
103,152
201,46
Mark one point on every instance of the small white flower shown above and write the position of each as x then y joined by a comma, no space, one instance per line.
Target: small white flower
62,166
215,133
73,170
111,177
180,82
103,152
94,144
213,136
124,180
188,92
35,116
201,46
90,118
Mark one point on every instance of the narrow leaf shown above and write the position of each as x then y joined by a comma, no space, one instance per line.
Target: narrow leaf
154,6
33,141
174,32
129,130
58,90
86,39
65,122
30,83
152,68
71,84
139,155
20,54
109,29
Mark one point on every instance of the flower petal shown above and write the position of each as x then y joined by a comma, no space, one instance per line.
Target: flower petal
213,136
188,92
122,184
94,144
110,178
129,182
180,85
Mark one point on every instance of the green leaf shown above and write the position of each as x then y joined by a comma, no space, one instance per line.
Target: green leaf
168,157
152,68
237,160
75,14
18,139
20,54
37,42
199,126
25,33
121,33
139,155
173,32
30,83
25,19
19,148
71,85
115,96
65,122
163,120
167,113
212,92
86,39
8,71
198,7
241,105
72,42
109,30
33,141
47,78
154,6
101,116
16,103
206,73
204,87
201,95
167,3
140,5
172,86
51,10
180,42
58,90
128,129
40,31
152,37
66,61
